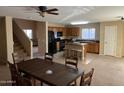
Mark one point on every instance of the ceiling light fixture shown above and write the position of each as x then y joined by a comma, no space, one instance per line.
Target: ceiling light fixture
78,23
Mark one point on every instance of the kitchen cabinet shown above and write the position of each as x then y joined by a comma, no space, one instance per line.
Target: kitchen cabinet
67,31
93,47
56,29
73,31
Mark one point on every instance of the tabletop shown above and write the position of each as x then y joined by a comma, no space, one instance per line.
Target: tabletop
49,72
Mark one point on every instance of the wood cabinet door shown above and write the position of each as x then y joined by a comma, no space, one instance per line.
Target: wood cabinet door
68,32
49,28
93,48
64,31
74,31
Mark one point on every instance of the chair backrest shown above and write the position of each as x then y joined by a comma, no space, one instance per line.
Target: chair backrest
87,78
49,57
73,61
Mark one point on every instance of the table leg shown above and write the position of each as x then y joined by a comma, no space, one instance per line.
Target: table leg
33,81
84,53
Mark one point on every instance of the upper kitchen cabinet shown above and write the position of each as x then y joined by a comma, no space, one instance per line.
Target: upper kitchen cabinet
72,31
56,29
67,31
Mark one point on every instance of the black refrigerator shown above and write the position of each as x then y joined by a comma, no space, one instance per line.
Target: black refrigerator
51,42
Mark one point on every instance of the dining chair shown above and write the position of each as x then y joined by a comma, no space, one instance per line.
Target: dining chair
71,61
16,77
14,72
87,78
49,57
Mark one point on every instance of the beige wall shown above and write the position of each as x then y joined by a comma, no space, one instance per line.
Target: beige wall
6,38
27,24
120,37
55,25
3,45
123,40
9,35
92,25
42,34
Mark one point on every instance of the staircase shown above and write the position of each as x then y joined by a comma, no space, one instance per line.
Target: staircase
19,52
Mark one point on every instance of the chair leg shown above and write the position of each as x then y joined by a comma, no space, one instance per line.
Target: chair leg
75,83
41,83
33,82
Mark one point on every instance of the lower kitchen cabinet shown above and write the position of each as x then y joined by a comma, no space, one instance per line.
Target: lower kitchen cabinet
93,47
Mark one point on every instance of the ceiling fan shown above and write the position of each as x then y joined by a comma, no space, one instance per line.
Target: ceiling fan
120,17
42,10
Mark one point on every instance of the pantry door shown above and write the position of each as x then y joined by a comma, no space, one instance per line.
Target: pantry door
110,40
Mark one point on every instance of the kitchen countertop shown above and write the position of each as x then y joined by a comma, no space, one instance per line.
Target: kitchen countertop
81,40
76,43
87,41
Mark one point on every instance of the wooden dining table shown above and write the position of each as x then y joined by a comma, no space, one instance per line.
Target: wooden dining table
51,73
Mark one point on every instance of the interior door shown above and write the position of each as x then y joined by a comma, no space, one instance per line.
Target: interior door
110,40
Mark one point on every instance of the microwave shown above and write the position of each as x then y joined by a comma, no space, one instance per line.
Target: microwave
59,34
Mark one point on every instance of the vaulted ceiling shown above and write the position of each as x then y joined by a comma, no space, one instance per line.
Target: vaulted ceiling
67,14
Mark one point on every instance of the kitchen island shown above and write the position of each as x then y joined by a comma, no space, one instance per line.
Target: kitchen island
76,49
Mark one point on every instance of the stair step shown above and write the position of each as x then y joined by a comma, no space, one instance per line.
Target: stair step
20,57
20,51
17,44
18,54
27,57
17,59
16,48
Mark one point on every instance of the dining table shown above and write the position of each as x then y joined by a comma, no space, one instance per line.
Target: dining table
51,73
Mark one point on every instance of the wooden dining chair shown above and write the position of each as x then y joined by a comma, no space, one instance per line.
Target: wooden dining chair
71,61
16,77
49,57
14,73
87,78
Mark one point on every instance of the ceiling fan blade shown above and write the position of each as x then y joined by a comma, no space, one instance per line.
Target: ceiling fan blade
54,9
118,16
53,13
41,14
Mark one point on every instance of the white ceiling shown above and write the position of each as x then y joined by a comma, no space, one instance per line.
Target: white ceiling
67,14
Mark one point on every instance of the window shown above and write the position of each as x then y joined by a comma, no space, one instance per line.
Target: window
28,32
88,33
